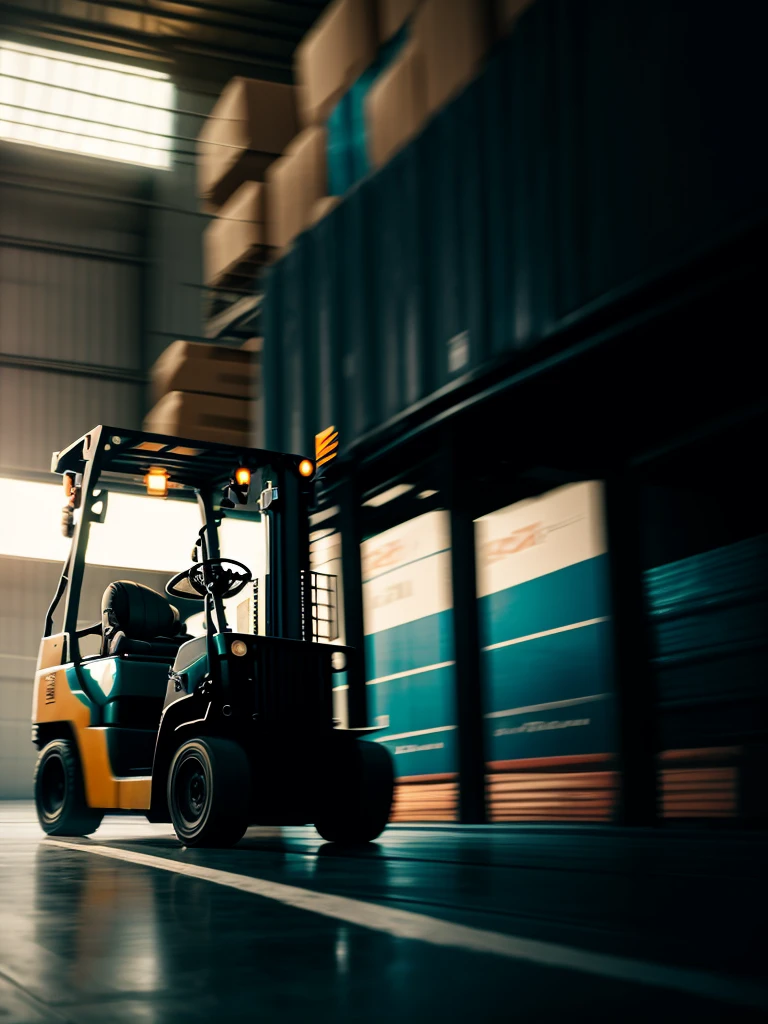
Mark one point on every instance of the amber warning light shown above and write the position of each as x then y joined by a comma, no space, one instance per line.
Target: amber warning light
306,467
243,477
156,482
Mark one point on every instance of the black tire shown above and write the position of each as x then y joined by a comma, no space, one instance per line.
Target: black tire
209,785
355,809
60,794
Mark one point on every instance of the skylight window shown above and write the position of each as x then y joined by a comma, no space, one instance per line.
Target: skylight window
85,106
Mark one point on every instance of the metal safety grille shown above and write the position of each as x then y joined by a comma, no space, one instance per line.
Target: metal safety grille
320,590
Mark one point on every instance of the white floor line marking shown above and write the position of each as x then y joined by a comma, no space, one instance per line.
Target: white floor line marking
547,632
552,704
405,924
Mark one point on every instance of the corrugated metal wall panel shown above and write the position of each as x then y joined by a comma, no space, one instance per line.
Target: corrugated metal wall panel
272,356
42,412
297,376
68,308
325,323
523,145
362,392
71,294
667,156
452,195
52,217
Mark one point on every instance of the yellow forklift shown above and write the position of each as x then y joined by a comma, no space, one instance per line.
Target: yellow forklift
213,732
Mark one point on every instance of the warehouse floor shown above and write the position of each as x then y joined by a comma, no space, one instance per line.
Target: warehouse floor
431,923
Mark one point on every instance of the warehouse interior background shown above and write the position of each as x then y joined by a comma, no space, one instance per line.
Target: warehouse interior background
513,253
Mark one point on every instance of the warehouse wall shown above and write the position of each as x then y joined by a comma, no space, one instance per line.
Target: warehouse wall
71,279
91,291
175,298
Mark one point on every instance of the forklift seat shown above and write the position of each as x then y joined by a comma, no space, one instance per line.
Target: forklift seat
138,620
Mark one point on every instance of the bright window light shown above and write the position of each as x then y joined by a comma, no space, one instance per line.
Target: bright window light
85,106
139,532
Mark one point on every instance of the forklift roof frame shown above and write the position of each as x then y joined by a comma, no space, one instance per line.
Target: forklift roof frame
202,468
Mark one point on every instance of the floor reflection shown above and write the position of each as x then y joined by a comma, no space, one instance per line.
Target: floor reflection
202,951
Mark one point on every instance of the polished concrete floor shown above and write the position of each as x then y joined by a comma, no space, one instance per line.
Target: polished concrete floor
444,924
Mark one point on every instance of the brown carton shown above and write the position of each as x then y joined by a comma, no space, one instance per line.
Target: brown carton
395,108
452,37
332,56
392,15
196,366
252,345
201,417
237,234
247,129
295,182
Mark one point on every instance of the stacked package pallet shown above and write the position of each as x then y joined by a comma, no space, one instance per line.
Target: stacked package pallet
274,159
709,614
205,392
247,130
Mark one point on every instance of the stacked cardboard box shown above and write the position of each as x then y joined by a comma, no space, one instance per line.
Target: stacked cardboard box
396,106
247,130
295,182
447,42
332,56
452,37
249,127
393,14
369,74
238,236
204,392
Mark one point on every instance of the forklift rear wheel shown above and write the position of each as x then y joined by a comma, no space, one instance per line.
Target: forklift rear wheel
60,794
359,798
208,792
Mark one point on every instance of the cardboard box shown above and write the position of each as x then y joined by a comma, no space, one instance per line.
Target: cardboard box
507,13
332,56
249,127
195,366
201,418
396,106
393,14
237,234
322,207
295,182
252,345
453,37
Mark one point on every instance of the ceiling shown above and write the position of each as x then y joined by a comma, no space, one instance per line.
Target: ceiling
201,43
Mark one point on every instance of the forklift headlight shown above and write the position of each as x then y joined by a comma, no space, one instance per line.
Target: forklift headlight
156,482
239,648
306,468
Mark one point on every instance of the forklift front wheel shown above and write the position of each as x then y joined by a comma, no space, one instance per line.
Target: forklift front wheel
358,799
208,792
60,794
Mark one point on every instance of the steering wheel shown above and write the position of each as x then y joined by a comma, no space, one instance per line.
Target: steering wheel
214,575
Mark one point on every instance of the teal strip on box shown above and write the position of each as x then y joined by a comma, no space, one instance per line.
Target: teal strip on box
340,176
347,142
